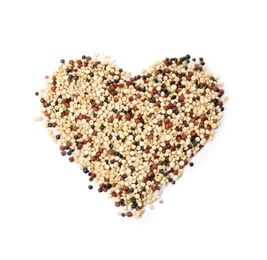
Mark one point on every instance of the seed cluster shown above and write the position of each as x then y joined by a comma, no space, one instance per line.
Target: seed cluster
131,135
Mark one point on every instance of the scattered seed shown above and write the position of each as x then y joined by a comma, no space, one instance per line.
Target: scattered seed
129,214
37,119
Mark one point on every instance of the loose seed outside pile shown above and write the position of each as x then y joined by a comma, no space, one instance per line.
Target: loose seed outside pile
132,136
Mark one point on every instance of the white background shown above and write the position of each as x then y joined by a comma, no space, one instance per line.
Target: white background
217,210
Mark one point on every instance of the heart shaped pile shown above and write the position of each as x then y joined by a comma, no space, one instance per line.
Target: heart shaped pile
131,135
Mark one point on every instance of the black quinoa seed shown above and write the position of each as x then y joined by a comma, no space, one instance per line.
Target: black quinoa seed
85,170
70,152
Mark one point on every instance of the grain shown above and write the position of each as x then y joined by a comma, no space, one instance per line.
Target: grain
132,135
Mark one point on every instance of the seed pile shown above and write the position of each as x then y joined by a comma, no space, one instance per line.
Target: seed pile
131,135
